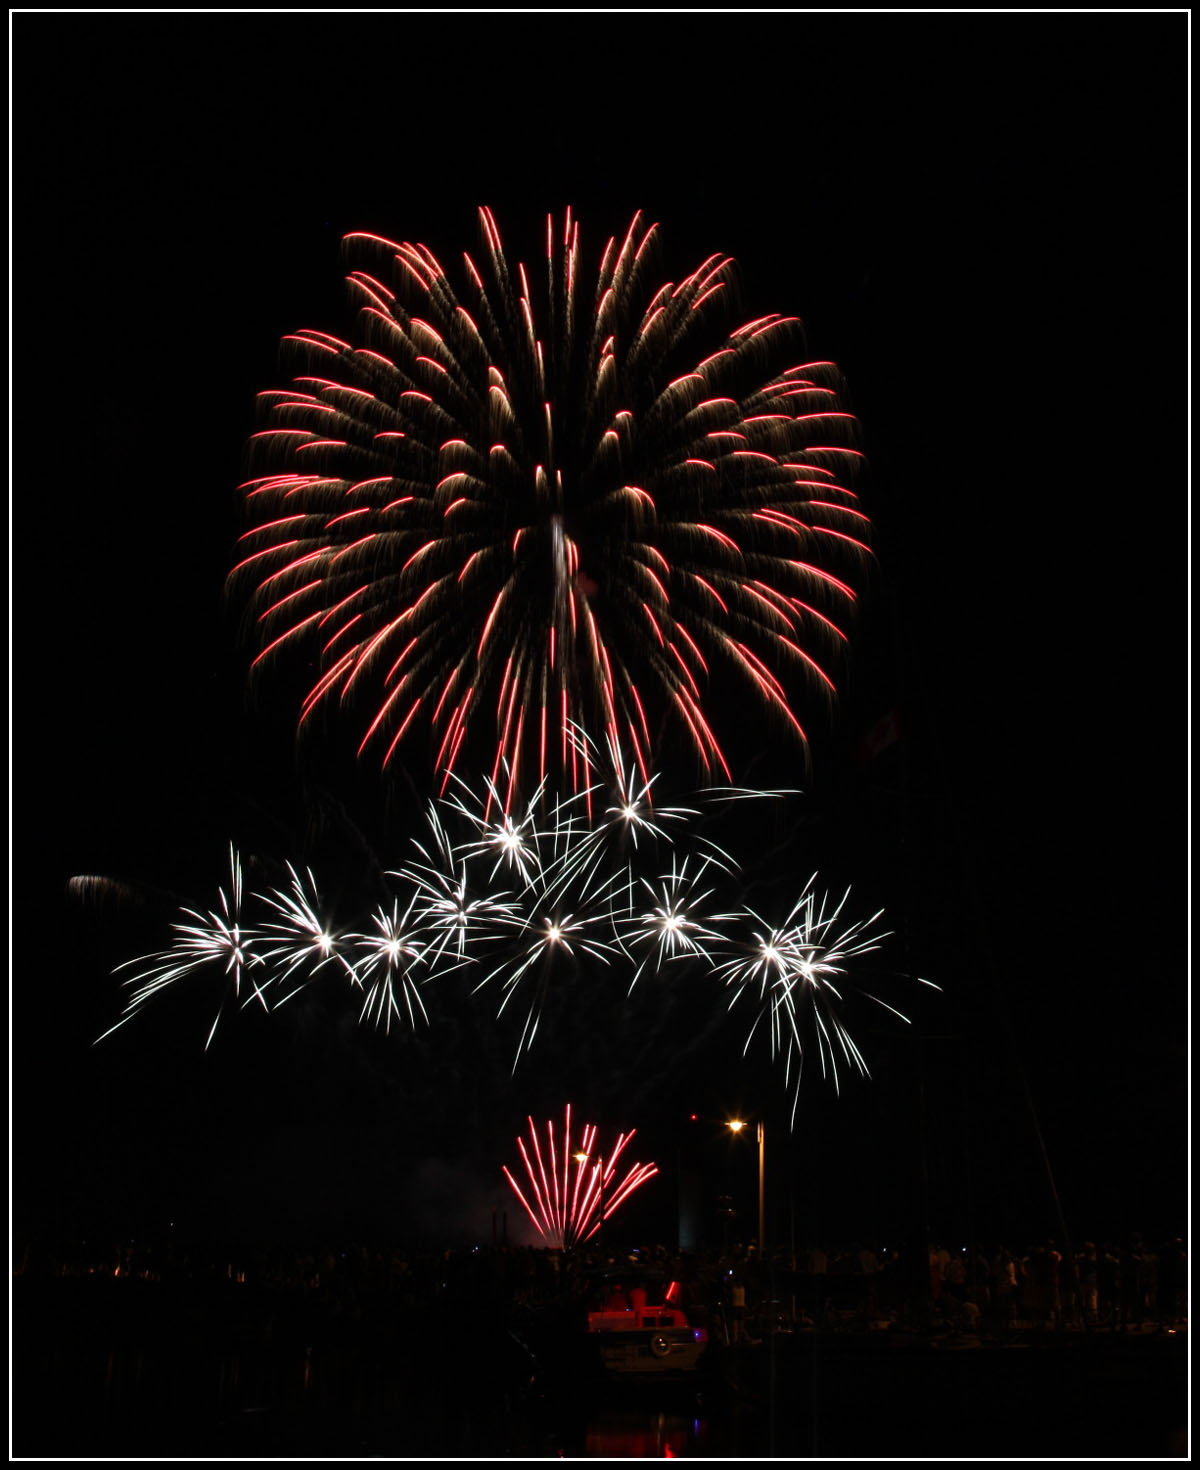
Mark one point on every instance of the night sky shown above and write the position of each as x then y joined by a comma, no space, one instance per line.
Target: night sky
982,219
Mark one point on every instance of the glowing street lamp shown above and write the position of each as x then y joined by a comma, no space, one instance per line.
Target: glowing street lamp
735,1125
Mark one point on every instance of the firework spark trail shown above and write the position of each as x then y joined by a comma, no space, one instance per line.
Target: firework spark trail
793,969
555,935
515,842
447,903
386,965
564,907
543,847
564,1202
298,938
579,878
668,929
498,511
630,818
216,938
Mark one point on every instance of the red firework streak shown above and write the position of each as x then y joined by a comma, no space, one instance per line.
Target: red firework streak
568,1184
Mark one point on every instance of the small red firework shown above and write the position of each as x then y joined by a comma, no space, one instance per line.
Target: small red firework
572,1188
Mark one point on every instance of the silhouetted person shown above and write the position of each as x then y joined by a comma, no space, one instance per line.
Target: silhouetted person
737,1313
617,1300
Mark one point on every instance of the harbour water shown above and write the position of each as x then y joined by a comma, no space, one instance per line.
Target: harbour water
127,1369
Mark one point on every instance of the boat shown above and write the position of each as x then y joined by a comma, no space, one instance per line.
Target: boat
637,1327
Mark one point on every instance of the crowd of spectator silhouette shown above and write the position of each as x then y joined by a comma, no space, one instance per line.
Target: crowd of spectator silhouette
991,1289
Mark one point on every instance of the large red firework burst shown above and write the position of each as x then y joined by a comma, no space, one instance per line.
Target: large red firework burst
515,517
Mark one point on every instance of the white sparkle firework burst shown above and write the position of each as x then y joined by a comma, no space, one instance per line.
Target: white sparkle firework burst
794,972
552,941
538,900
214,939
449,905
385,966
522,846
669,924
631,823
577,871
297,938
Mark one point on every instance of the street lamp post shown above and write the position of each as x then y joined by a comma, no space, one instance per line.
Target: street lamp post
762,1190
735,1126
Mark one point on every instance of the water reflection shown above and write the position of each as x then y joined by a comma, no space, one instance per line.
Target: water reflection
632,1435
290,1400
245,1384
